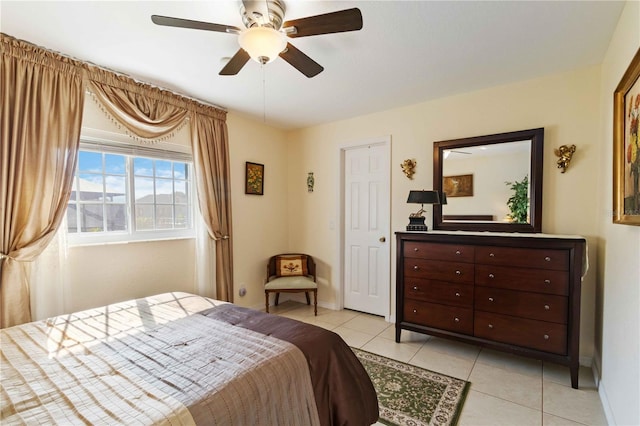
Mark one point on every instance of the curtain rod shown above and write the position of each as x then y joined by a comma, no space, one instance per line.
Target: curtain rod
104,68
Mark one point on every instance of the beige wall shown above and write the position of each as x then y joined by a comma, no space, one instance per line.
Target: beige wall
260,222
618,310
566,105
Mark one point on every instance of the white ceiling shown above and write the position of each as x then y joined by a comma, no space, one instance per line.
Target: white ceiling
407,51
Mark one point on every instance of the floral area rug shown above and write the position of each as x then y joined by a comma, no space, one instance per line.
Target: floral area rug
410,395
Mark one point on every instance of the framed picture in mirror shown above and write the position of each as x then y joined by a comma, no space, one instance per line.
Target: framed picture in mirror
458,186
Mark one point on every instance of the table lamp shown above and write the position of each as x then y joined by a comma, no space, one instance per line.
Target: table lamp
416,220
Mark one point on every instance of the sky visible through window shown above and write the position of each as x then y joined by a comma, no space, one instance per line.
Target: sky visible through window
90,168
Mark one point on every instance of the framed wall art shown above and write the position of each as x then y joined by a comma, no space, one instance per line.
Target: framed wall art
254,179
458,186
626,146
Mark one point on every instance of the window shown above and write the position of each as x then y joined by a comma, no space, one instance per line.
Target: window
121,194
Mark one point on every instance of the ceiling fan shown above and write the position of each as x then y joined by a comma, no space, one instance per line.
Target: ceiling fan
264,37
447,152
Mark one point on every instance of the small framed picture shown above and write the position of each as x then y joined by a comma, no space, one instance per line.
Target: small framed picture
626,146
458,186
254,179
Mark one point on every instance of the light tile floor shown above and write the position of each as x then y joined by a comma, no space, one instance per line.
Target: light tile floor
505,389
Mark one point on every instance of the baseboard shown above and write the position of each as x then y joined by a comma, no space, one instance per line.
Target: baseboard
606,407
595,369
597,374
586,361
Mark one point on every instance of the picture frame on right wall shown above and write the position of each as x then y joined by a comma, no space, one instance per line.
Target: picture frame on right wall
626,146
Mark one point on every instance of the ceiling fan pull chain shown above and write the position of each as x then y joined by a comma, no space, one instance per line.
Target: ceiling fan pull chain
264,97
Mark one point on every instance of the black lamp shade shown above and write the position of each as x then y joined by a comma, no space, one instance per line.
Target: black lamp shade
423,197
443,198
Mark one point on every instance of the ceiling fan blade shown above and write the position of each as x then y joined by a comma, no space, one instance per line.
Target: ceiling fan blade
301,62
236,63
334,22
196,25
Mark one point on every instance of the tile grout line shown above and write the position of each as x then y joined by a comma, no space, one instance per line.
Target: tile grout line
475,361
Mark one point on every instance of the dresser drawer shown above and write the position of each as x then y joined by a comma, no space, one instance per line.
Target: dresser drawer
524,257
439,270
433,251
526,279
450,318
446,293
544,307
540,335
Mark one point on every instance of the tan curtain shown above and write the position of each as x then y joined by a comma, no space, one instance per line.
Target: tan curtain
210,145
42,98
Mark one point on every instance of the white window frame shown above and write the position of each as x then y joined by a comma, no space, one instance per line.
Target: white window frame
133,235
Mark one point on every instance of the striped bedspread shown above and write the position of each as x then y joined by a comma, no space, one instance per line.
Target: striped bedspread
150,361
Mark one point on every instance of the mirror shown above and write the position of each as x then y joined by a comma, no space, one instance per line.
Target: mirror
484,177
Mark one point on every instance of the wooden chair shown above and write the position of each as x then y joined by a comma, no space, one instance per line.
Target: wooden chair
291,273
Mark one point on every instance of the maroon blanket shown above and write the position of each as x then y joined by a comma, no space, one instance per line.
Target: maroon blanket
343,391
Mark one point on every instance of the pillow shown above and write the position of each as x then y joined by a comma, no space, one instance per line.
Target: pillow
291,266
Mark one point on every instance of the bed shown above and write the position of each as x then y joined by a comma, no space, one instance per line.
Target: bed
180,359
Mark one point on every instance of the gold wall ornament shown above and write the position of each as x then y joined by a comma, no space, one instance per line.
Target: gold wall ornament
408,167
311,181
564,153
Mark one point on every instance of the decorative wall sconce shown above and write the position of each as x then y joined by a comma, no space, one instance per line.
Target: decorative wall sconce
564,153
310,182
408,167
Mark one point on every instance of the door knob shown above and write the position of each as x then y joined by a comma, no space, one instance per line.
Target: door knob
382,239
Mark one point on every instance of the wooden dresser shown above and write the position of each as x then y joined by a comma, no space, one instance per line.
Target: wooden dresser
515,293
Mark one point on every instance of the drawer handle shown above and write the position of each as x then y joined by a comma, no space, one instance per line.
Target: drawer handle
492,255
490,325
415,268
546,307
458,252
491,276
458,273
547,258
491,299
415,311
456,319
416,249
546,337
457,294
415,287
547,281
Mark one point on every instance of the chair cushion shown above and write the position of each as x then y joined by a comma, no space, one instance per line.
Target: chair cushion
291,283
291,265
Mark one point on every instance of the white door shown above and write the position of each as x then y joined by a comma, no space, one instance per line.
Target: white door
367,241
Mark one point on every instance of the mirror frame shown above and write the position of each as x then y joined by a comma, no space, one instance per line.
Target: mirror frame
536,136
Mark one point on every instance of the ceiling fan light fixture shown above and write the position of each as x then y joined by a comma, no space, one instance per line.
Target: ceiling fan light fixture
263,44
